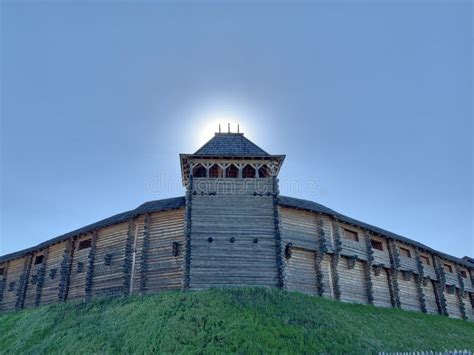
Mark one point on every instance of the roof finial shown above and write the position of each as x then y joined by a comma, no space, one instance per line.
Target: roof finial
219,128
228,127
238,128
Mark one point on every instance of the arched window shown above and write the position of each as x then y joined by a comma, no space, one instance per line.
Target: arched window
215,171
199,171
248,172
231,171
263,172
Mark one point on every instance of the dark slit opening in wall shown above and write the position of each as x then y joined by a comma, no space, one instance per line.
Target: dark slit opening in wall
85,244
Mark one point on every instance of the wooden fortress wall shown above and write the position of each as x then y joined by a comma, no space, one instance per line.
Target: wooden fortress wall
138,256
319,260
272,245
232,233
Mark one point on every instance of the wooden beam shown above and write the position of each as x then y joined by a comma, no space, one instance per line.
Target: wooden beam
368,268
460,293
187,234
23,284
393,273
440,285
276,216
419,281
3,282
128,262
66,266
40,277
335,259
145,251
90,267
319,255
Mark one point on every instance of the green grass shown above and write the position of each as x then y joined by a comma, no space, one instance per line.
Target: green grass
242,320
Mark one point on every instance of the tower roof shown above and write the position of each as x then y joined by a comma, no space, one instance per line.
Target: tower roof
231,144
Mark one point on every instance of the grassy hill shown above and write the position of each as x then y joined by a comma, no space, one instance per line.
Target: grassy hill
244,320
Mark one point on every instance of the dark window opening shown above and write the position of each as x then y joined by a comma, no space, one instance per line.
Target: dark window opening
463,274
288,250
231,172
39,259
376,244
80,267
263,172
2,271
215,171
108,259
405,252
85,244
450,289
248,172
175,248
351,235
199,171
448,268
425,260
11,286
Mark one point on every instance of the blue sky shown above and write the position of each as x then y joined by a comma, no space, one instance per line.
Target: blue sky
370,101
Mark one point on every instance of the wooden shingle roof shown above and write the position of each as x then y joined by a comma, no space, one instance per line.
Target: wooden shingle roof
230,144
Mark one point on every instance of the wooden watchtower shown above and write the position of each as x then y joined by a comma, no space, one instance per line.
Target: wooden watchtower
232,221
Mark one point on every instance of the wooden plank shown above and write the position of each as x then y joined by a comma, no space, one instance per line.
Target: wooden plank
12,284
380,288
440,286
66,268
23,282
352,281
393,276
277,222
223,228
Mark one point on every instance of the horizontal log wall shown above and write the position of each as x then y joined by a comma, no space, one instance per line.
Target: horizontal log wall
3,280
232,237
12,284
352,280
430,297
414,279
469,299
328,290
36,279
52,274
78,272
107,278
380,287
165,251
409,299
300,273
146,254
138,268
452,304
